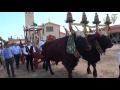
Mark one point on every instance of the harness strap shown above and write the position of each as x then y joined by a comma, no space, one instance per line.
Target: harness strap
76,54
98,47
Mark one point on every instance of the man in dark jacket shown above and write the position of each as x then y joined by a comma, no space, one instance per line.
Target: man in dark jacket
29,50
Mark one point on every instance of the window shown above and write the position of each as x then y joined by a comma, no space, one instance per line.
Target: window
49,29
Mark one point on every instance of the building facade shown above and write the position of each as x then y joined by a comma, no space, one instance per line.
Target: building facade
12,40
50,29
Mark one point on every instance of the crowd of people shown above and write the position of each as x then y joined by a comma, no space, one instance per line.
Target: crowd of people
13,51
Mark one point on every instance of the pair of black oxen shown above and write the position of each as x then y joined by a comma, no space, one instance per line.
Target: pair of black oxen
56,51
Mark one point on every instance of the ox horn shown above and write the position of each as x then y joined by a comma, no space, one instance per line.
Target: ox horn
77,28
90,30
79,33
67,32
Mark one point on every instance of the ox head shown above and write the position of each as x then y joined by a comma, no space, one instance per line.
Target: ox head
103,39
81,41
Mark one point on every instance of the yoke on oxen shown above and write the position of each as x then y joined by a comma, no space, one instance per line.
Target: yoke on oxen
99,41
71,48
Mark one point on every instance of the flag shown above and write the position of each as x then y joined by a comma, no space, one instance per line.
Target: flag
22,56
34,24
43,25
21,45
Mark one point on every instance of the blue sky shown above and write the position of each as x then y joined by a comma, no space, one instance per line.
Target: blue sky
11,23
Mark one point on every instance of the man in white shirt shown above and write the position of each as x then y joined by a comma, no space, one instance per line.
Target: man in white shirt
29,50
40,45
44,38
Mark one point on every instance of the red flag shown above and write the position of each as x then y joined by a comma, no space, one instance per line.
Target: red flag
22,56
21,45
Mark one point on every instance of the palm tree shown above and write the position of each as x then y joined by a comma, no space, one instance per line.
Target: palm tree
113,18
2,40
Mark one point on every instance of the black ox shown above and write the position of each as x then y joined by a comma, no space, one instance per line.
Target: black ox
93,56
56,51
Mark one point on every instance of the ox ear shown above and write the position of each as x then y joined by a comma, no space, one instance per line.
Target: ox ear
80,33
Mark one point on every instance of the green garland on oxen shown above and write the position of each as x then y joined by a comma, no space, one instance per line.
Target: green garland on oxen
71,48
71,45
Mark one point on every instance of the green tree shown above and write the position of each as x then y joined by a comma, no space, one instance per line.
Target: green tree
113,18
2,40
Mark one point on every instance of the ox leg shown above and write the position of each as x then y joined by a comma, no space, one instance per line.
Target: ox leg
44,64
119,72
49,65
88,69
94,71
69,70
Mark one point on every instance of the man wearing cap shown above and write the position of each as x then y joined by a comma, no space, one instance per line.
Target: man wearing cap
29,50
